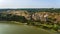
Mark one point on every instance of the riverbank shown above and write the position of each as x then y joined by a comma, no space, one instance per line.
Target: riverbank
20,29
19,23
46,30
11,22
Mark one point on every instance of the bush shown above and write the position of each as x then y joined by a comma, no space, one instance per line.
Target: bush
55,27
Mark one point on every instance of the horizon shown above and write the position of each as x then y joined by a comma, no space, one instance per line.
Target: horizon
29,8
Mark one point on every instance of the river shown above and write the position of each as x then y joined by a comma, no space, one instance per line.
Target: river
20,29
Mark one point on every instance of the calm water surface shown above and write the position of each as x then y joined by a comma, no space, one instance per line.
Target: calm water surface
20,29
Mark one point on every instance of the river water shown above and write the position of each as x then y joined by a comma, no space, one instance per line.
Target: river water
20,29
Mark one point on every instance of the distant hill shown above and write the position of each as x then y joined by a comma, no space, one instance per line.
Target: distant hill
33,14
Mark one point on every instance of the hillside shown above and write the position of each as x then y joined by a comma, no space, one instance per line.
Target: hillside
36,16
41,18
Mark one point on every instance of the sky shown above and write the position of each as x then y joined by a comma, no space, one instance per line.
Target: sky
29,3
